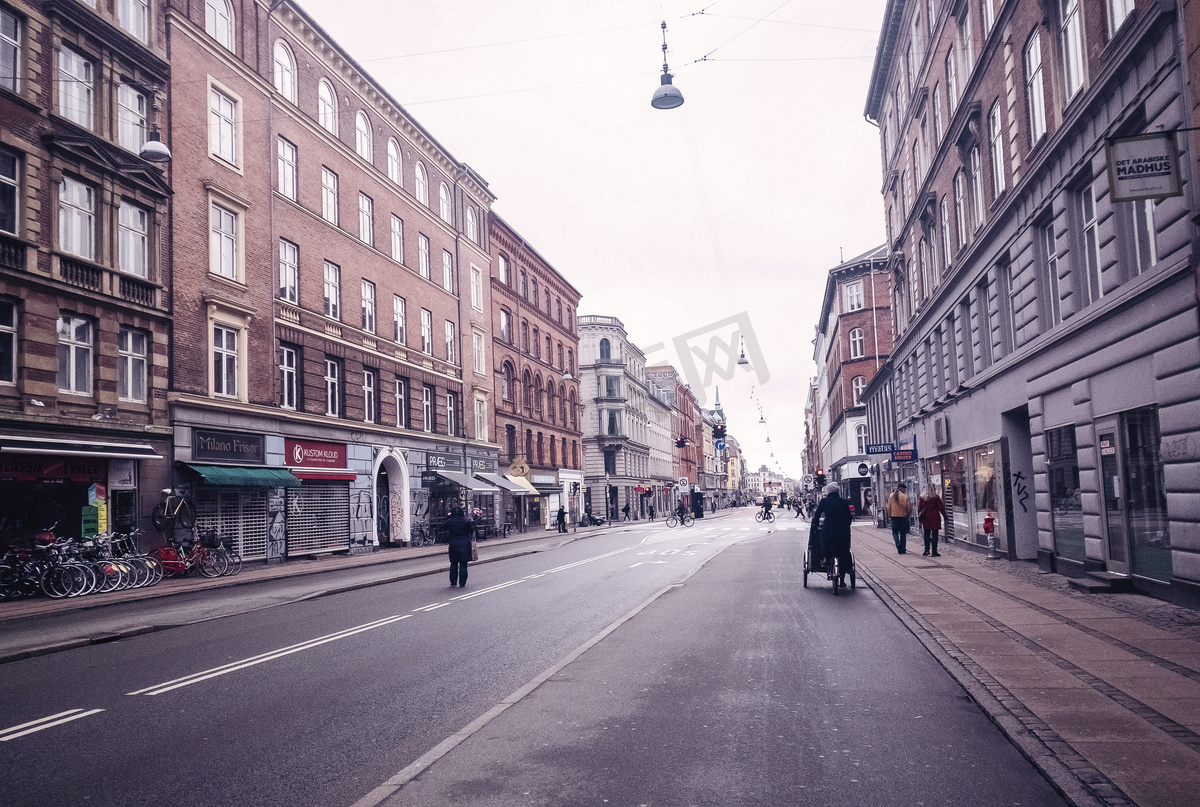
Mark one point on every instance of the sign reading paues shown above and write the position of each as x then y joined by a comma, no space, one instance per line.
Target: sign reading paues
1143,167
443,462
311,454
246,449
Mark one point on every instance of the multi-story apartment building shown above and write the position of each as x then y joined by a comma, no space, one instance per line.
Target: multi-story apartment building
662,476
1046,333
854,337
685,453
735,469
308,207
537,410
84,266
615,434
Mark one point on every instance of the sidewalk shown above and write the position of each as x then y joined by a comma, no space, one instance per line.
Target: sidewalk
1100,691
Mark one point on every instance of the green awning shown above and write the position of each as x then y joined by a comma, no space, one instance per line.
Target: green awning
244,476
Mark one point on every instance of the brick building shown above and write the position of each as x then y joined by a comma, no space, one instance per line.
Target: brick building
330,381
686,435
84,266
1047,335
537,408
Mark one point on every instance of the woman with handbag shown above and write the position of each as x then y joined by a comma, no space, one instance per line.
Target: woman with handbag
931,511
461,532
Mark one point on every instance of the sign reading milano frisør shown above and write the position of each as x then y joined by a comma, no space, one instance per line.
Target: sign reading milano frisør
1143,167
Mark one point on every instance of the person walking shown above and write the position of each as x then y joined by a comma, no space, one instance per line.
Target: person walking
461,531
834,531
562,518
651,511
625,512
931,511
899,508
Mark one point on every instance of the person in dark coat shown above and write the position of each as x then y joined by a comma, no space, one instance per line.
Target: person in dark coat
835,531
562,519
460,530
931,512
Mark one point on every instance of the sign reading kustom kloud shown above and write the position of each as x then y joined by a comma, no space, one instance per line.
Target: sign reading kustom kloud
1143,167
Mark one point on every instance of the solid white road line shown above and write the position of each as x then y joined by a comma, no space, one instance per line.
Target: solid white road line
489,590
14,732
196,678
588,560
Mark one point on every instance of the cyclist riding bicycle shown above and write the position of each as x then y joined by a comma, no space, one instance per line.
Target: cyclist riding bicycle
680,511
766,506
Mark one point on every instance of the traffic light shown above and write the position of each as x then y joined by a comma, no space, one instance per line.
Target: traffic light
719,431
820,479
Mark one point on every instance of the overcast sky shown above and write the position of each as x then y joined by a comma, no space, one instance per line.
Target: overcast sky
739,201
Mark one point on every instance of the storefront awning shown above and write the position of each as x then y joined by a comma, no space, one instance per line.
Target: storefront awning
523,483
462,480
503,484
11,444
244,476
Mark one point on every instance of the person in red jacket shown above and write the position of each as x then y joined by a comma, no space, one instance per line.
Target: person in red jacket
931,512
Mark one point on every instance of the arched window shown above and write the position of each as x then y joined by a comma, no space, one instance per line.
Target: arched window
564,451
422,185
506,379
562,407
285,71
857,386
218,21
860,436
537,343
510,441
574,454
559,303
472,225
605,350
570,361
857,343
549,352
524,336
506,327
538,392
528,393
553,452
529,445
574,410
533,292
502,268
541,446
521,285
444,207
394,163
560,356
327,107
362,136
551,408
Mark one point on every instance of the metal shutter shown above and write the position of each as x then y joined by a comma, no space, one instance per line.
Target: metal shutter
237,514
318,517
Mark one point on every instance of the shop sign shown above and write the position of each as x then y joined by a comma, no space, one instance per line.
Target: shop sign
429,479
443,462
244,449
1143,167
483,465
863,470
544,479
880,448
904,455
91,520
122,474
309,454
39,468
96,494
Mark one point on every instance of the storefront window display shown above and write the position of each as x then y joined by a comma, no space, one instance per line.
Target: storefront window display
1066,503
954,481
986,460
1146,495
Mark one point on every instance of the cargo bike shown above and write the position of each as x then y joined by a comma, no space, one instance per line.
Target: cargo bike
816,561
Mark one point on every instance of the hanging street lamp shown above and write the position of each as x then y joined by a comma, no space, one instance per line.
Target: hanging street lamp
667,96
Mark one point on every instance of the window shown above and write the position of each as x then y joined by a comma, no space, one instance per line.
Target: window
426,332
366,219
445,208
989,17
1093,290
8,342
368,306
397,239
960,208
502,269
362,136
289,272
218,22
329,196
966,34
131,365
285,71
533,292
225,362
481,432
521,285
327,114
451,414
1035,93
1072,45
10,51
605,350
476,288
370,396
472,225
333,290
222,126
133,240
558,303
394,167
945,228
427,409
401,403
854,296
860,438
996,145
925,265
451,352
422,180
570,361
447,271
333,388
423,255
939,125
951,81
506,382
131,117
974,180
74,355
506,331
288,385
223,243
1145,244
537,340
857,386
399,320
857,343
287,169
75,77
76,218
478,355
1052,311
1118,12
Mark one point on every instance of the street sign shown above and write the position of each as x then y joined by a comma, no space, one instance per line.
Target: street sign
863,470
719,445
808,481
880,448
683,482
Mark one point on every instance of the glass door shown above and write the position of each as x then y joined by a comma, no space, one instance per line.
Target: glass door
1112,482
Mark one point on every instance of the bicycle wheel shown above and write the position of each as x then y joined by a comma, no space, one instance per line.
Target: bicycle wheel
758,516
689,521
418,537
169,561
159,517
110,575
771,517
156,570
185,514
671,522
56,582
235,562
211,564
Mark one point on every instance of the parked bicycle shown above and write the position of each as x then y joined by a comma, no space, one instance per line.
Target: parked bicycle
200,552
175,510
420,535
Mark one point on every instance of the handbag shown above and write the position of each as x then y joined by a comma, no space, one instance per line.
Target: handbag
474,549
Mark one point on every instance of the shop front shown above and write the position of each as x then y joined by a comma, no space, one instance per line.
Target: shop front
445,485
972,486
548,499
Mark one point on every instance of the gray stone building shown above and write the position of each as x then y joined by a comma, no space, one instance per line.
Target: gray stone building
1046,364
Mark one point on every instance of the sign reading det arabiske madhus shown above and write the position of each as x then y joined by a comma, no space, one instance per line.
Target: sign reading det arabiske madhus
1143,167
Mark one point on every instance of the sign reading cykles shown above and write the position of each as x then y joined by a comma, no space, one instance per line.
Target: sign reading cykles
1143,167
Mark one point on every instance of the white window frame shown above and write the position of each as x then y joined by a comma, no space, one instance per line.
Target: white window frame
131,358
427,409
860,435
363,141
451,414
395,164
226,360
479,352
76,338
77,218
1035,88
952,79
10,50
422,183
960,207
854,296
481,431
423,255
1118,12
858,344
401,394
8,341
368,306
858,385
133,240
370,397
333,388
472,225
289,272
76,87
222,125
426,331
329,196
996,147
332,286
506,327
288,165
476,288
288,379
399,319
947,248
224,241
397,239
445,204
218,22
976,186
327,107
447,271
366,219
285,70
1053,292
451,342
133,16
1093,283
502,270
131,117
1071,39
1145,236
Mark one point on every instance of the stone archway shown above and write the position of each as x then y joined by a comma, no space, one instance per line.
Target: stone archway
395,496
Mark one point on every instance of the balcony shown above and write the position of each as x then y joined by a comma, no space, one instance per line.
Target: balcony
12,253
110,282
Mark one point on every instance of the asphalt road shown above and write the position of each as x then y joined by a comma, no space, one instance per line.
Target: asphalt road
737,686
